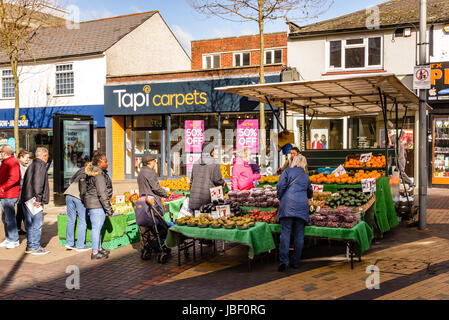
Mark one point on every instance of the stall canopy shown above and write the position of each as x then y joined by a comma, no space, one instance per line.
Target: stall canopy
338,97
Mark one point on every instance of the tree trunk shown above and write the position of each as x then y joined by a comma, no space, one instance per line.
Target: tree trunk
263,140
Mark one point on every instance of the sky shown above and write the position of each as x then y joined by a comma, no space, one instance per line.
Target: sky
189,25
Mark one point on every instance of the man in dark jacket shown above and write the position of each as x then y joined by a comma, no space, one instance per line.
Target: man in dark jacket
35,186
9,194
75,207
206,174
148,183
97,200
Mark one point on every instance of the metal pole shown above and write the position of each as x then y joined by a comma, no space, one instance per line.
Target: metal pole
285,115
396,153
423,122
305,129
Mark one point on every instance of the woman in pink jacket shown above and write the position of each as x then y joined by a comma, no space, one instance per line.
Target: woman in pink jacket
242,174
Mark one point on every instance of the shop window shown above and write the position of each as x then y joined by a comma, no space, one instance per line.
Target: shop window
242,59
8,88
273,56
65,81
353,54
148,121
363,132
323,134
211,61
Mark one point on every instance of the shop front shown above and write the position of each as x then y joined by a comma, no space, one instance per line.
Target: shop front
439,126
171,120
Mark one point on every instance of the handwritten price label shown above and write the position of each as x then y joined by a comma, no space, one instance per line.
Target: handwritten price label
339,171
223,211
317,188
216,193
369,185
119,199
366,157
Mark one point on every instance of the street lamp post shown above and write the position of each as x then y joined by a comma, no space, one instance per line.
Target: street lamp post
423,121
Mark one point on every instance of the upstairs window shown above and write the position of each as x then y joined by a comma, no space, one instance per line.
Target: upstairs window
65,81
242,59
273,56
354,54
8,89
211,61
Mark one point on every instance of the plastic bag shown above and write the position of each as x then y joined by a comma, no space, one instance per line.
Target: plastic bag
185,211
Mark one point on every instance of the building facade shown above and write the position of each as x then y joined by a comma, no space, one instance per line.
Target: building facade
150,112
350,45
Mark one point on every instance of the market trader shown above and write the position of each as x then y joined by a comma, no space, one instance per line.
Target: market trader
148,182
288,163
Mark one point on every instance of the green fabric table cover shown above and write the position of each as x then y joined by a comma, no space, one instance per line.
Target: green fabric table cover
113,227
259,238
175,207
361,233
385,212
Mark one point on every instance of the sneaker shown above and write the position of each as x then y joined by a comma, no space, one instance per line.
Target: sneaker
40,252
83,249
98,256
282,267
70,247
105,252
4,243
29,250
13,245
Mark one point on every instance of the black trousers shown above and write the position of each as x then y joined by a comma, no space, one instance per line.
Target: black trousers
20,216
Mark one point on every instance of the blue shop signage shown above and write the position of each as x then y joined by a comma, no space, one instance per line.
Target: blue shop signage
179,97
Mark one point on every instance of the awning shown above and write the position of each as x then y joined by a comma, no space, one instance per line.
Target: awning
346,96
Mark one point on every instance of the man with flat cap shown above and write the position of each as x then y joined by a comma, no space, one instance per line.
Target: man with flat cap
147,180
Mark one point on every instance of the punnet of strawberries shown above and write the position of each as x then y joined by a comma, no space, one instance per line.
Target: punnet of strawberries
263,216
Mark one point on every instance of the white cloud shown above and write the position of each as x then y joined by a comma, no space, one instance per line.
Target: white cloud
135,9
184,37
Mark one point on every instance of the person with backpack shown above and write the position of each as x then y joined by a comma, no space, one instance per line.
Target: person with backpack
97,200
294,189
75,207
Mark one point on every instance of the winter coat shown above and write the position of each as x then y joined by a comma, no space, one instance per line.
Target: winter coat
294,199
242,176
149,185
10,178
73,190
35,182
98,189
206,174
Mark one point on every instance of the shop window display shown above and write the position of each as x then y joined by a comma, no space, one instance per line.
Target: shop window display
441,150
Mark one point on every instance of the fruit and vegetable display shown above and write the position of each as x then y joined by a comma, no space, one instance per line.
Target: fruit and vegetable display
322,196
374,162
205,221
172,197
182,184
316,204
258,197
263,216
269,179
340,218
129,198
349,198
122,208
346,178
209,208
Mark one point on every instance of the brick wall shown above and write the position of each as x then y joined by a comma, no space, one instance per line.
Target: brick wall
200,47
118,146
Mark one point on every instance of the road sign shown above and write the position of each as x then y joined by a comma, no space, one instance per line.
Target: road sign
421,78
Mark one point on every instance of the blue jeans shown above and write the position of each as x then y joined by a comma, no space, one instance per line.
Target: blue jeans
289,225
34,228
75,208
97,217
9,219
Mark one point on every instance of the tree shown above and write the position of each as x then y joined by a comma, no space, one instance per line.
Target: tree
20,21
261,11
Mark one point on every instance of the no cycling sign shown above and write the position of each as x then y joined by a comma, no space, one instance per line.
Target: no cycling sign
421,78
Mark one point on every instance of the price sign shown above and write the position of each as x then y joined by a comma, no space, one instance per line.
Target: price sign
366,157
317,188
194,135
248,135
119,199
339,171
216,193
369,185
197,213
223,211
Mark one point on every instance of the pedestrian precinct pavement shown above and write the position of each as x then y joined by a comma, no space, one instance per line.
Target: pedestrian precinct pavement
412,264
